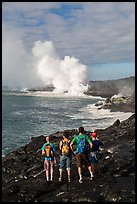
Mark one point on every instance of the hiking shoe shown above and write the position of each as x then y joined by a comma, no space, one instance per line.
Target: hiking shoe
92,176
80,180
69,180
60,179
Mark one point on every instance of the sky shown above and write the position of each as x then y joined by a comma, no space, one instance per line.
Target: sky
67,43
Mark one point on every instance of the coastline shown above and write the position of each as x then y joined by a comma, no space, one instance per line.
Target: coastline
117,167
117,180
92,112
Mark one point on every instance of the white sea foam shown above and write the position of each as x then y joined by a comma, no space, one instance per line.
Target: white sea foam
48,115
104,117
55,94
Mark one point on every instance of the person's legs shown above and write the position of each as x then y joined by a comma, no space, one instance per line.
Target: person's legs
79,166
91,161
87,164
62,163
95,165
60,174
93,168
46,167
68,167
69,173
90,171
80,173
51,170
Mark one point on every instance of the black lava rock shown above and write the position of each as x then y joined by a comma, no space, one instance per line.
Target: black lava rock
21,181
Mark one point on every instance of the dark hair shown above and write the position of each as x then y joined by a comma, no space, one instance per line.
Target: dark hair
66,134
81,130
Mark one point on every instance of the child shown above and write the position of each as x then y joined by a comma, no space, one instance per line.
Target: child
65,158
48,150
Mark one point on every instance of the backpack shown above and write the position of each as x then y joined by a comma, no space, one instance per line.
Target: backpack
48,150
82,145
65,150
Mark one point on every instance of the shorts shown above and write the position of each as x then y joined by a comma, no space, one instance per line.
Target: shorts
92,158
82,159
65,162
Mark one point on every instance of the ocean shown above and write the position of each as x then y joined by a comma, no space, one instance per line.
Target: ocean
27,115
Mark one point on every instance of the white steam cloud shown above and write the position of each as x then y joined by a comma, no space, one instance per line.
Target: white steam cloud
67,75
39,67
17,66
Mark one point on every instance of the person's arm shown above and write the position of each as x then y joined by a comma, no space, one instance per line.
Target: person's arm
60,145
71,144
89,141
54,160
43,151
91,144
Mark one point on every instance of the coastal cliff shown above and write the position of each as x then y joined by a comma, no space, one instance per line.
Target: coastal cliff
108,88
119,93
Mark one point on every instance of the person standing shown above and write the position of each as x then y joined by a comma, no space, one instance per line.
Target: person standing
94,152
81,141
48,151
65,156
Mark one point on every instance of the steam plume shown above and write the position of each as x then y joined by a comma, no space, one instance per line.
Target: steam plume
67,75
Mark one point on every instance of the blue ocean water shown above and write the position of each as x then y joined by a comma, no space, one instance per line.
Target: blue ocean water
25,116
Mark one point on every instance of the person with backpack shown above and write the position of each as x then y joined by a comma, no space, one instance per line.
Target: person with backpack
65,156
81,141
94,153
48,151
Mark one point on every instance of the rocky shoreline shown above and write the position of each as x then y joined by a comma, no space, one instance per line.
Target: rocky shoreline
21,181
119,94
119,103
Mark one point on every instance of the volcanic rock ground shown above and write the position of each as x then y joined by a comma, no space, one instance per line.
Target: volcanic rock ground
116,183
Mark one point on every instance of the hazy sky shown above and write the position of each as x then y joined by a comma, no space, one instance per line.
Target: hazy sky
99,37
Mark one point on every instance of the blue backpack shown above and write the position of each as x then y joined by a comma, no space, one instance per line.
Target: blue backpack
82,145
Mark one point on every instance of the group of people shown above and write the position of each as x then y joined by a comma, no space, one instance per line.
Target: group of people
84,147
